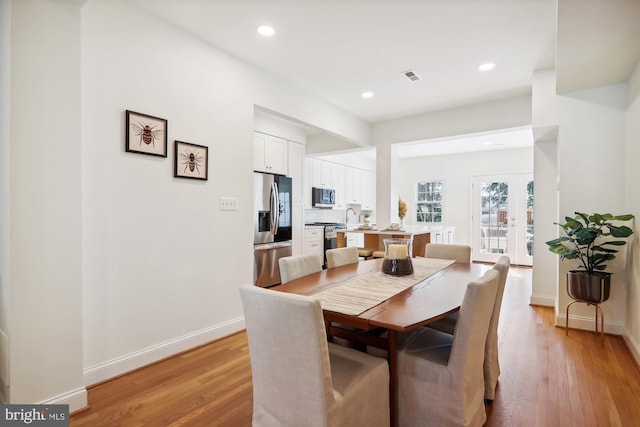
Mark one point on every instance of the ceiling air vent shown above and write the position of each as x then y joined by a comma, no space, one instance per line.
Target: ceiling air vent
411,75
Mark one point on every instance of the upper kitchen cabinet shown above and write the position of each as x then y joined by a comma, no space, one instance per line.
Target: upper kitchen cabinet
269,154
353,184
329,175
360,188
296,170
368,190
338,178
321,174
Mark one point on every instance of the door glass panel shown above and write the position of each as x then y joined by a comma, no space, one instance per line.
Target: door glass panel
494,217
529,237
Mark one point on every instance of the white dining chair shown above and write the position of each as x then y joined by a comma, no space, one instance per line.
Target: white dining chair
299,379
440,379
342,256
491,363
293,267
459,253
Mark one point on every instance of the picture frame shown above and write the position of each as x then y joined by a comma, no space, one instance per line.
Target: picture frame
191,161
145,134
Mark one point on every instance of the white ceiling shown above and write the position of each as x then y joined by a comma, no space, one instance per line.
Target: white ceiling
505,139
336,49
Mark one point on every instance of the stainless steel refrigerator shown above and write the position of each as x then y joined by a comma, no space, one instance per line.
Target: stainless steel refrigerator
271,226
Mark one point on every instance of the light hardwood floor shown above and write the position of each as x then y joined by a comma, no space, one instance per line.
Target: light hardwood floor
547,379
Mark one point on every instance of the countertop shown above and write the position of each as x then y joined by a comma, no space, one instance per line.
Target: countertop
407,230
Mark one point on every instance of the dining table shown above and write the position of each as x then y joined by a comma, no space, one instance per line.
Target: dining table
367,307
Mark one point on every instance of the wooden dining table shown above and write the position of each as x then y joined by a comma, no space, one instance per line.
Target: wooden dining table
429,299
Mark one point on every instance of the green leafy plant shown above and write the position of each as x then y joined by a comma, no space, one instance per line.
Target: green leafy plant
589,239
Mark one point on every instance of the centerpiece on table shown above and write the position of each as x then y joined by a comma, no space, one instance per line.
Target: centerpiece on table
397,257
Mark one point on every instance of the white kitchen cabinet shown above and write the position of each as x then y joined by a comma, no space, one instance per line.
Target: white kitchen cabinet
337,183
328,175
353,183
270,154
444,235
296,172
368,190
308,182
314,242
360,188
355,239
321,173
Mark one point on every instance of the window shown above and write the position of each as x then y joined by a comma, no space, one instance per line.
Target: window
429,203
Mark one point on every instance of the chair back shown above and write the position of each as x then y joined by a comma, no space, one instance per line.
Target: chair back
491,364
293,267
459,253
342,256
469,340
290,363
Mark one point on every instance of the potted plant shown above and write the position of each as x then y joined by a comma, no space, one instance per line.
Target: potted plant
591,239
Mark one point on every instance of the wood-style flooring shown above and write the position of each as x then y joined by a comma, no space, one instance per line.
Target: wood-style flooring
548,379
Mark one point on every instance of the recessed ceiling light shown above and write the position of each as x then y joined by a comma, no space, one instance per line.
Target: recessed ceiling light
367,95
265,30
487,66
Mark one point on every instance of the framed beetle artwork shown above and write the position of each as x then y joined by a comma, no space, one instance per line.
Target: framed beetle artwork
191,161
145,134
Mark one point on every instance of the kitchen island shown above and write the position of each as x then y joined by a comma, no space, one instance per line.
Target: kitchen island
421,235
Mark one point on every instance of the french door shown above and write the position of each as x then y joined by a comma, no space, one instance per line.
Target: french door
503,218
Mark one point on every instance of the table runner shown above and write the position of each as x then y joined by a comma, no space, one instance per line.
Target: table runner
357,295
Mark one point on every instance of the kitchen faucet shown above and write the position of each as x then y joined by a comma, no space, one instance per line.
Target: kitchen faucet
346,219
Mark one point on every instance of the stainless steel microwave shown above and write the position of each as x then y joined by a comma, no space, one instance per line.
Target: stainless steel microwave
323,197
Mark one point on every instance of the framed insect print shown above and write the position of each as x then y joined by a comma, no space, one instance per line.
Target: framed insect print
146,134
191,161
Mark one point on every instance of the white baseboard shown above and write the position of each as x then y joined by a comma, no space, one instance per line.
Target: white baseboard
129,362
589,324
633,346
76,399
542,300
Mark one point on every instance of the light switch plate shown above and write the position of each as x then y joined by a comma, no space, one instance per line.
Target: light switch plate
228,203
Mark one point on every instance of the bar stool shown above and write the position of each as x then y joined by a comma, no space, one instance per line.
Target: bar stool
378,254
365,253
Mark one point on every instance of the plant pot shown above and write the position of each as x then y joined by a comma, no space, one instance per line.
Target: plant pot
588,287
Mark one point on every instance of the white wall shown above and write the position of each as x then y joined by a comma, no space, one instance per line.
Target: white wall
457,172
357,159
487,116
544,288
544,123
43,178
277,126
632,205
591,152
5,193
161,263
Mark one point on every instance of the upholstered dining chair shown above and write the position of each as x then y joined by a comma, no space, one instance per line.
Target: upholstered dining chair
293,267
459,253
491,363
299,379
440,379
342,256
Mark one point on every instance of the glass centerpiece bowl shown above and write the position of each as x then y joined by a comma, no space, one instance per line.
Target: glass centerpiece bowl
397,257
